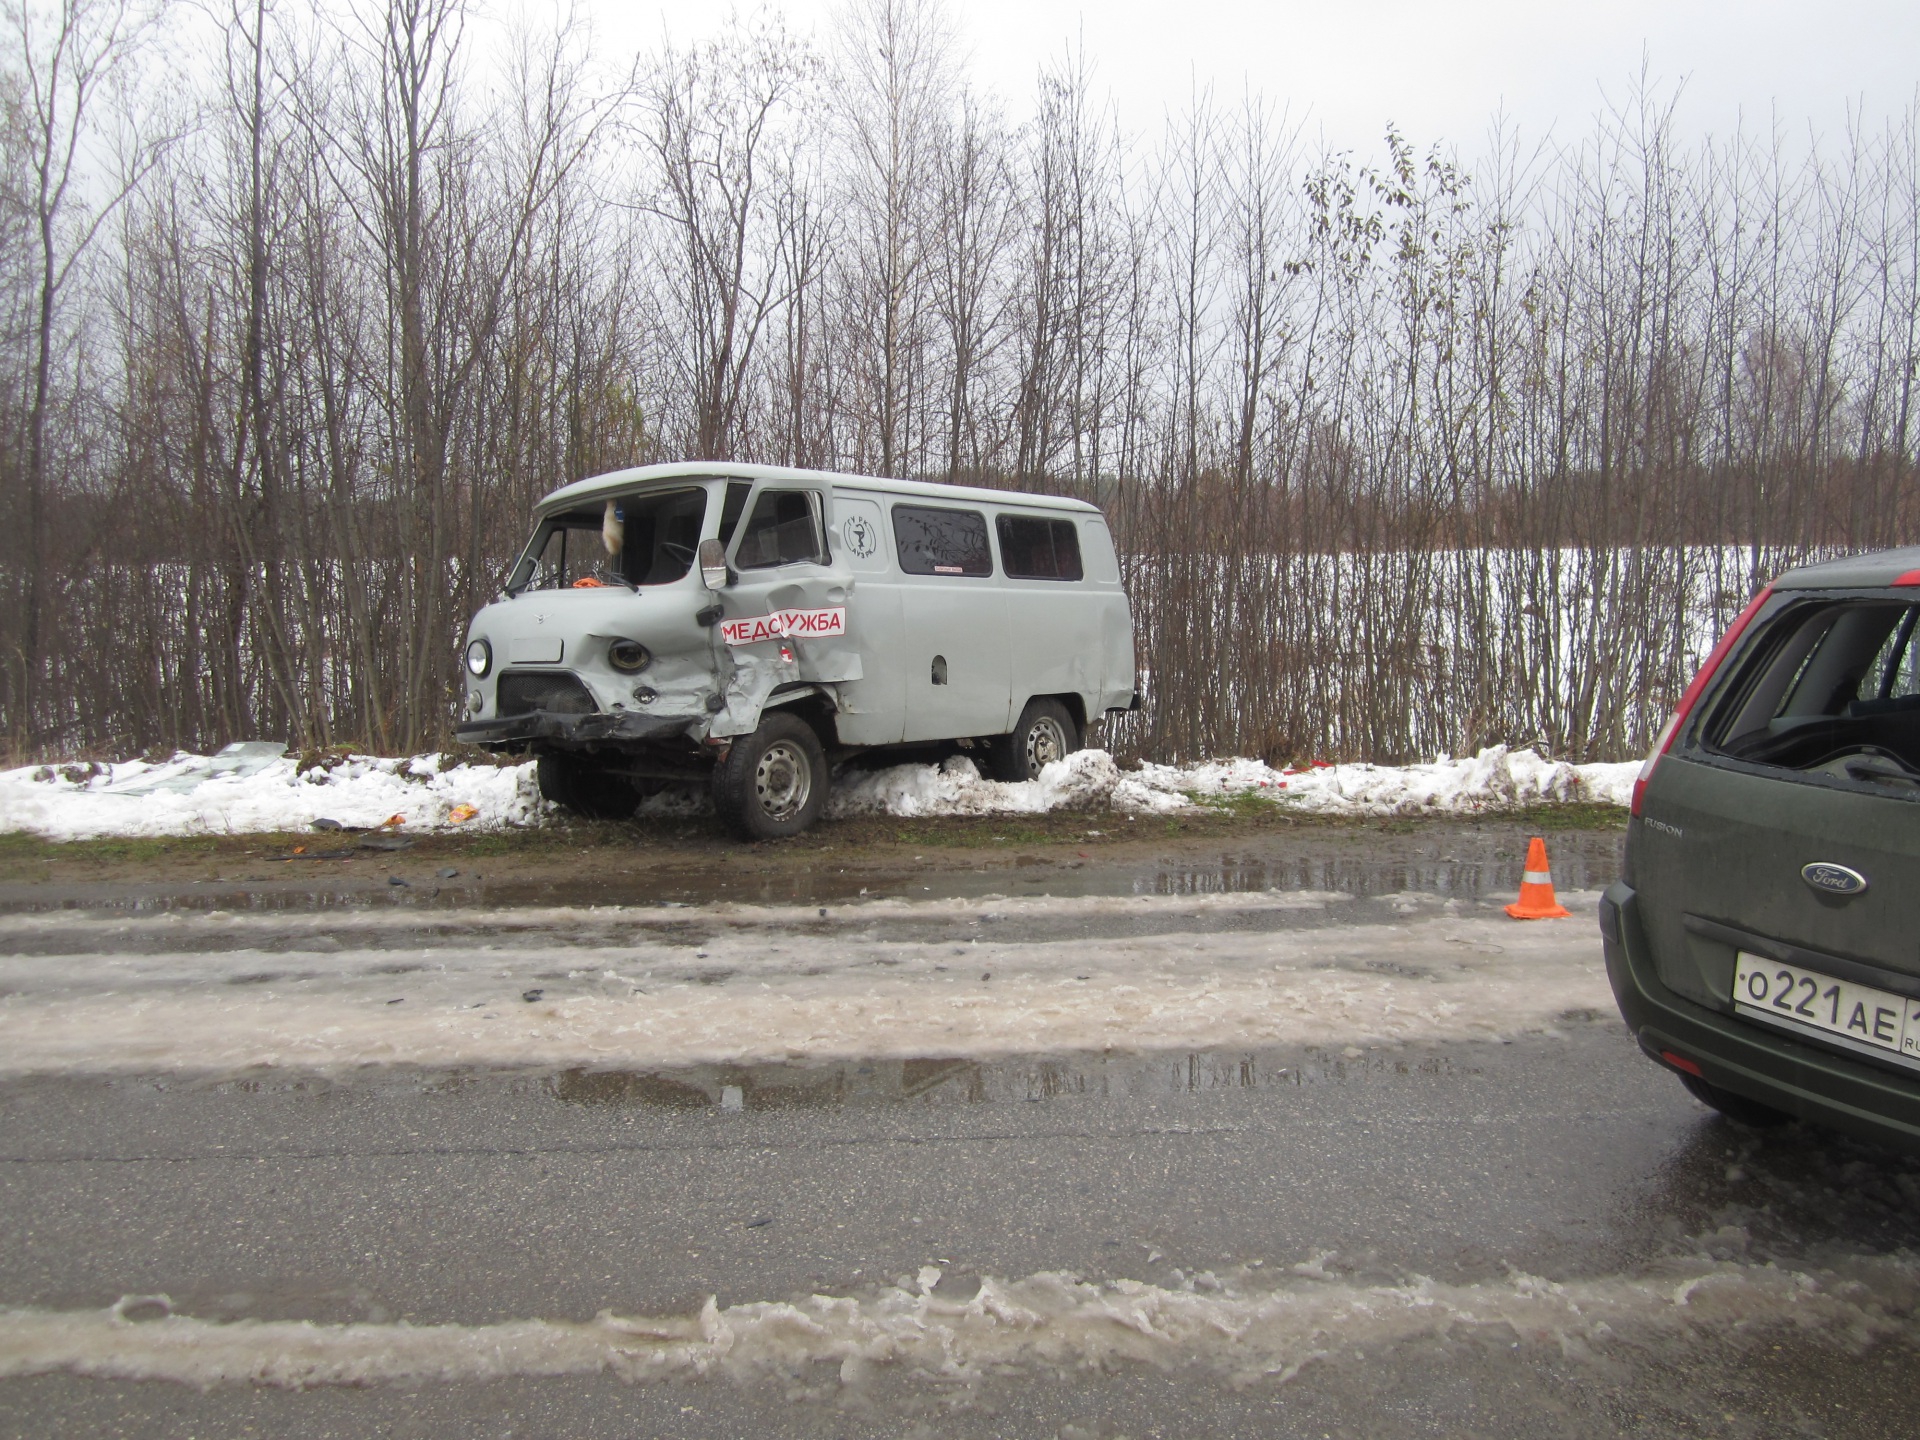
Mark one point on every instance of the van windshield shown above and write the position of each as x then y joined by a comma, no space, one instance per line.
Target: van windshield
1831,689
630,540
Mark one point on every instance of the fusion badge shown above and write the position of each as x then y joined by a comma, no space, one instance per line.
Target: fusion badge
1831,879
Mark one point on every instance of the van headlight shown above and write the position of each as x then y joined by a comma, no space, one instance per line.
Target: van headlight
629,657
479,659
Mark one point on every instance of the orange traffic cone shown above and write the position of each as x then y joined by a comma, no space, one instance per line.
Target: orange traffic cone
1536,900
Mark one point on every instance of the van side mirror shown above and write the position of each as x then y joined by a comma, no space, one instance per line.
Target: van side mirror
713,565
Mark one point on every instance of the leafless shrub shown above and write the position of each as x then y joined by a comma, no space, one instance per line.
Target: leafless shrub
1406,454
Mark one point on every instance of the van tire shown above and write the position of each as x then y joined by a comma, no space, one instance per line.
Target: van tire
1046,733
773,782
585,789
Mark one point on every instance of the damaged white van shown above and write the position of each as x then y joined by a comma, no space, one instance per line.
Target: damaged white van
752,628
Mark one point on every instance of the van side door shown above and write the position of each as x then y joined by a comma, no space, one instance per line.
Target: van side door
1054,613
953,614
1116,616
873,709
784,616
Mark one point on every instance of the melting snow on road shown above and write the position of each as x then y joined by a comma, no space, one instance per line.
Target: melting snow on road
1237,1326
255,787
632,988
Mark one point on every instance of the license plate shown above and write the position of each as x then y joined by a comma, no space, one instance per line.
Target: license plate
1858,1016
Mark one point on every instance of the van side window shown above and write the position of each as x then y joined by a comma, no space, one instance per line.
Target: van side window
784,529
941,542
1034,549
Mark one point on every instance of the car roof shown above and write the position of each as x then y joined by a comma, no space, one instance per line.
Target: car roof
617,481
1853,572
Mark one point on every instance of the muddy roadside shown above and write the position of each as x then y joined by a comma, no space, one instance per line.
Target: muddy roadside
1251,846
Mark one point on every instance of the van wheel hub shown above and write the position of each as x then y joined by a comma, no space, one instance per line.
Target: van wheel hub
1046,743
783,780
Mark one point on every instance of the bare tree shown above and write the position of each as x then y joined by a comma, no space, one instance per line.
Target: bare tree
979,216
721,127
1403,453
896,82
71,57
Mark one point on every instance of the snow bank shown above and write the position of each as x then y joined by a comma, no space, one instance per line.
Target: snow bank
1494,780
254,787
1082,781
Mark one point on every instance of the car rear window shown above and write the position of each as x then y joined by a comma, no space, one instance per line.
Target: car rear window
1830,688
1036,549
934,541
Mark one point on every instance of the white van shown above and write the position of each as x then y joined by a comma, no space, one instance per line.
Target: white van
741,625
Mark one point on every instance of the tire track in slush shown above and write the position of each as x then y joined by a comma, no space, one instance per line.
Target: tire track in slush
1233,1328
747,987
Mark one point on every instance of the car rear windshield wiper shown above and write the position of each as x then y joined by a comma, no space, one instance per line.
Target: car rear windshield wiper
1885,771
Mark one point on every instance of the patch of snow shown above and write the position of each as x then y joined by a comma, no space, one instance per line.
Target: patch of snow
186,773
252,787
255,788
1495,779
1084,780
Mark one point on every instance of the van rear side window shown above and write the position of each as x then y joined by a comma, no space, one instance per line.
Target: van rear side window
941,542
1034,549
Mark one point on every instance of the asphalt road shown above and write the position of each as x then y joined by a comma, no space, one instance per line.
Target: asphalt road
1536,1233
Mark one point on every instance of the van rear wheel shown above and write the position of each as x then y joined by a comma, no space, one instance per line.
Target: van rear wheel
773,782
584,788
1046,733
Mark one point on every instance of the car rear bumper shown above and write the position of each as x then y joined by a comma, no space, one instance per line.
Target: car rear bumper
1776,1069
550,725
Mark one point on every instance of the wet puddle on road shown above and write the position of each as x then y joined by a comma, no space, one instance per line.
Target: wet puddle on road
1467,862
950,1082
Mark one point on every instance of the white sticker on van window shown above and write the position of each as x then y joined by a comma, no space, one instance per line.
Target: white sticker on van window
782,624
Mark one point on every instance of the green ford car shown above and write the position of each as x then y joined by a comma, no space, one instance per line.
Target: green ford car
1764,940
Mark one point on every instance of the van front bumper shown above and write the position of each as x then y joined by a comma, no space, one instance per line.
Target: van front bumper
617,726
1826,1087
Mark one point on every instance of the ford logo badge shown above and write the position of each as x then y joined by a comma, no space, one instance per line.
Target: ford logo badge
1831,879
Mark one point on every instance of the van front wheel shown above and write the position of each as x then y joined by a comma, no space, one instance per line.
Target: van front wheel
1046,733
773,782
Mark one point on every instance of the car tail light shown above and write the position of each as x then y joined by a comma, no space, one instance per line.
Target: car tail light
1680,1062
1912,577
1693,693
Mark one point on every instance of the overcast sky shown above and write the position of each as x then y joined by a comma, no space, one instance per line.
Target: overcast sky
1438,68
